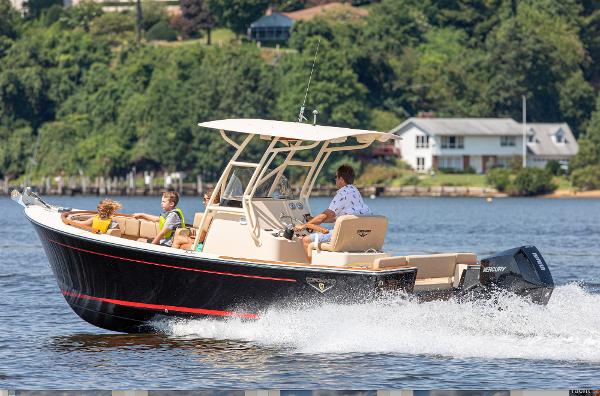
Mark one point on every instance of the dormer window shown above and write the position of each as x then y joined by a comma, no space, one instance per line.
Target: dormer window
559,137
531,135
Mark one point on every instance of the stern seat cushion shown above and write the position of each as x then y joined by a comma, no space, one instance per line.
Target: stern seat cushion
439,270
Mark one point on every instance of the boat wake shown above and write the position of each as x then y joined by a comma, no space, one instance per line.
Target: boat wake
568,328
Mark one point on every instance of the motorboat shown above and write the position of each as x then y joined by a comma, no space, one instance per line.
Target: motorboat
252,257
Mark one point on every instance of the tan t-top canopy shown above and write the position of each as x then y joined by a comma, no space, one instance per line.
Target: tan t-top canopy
294,130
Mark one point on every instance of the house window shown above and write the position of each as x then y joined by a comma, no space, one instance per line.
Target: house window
422,141
508,141
453,142
450,163
420,163
559,137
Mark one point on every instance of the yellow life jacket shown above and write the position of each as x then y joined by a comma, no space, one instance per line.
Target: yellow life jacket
100,225
162,219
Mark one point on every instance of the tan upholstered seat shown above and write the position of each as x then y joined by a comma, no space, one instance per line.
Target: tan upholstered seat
114,232
440,271
120,221
389,262
131,228
353,233
148,230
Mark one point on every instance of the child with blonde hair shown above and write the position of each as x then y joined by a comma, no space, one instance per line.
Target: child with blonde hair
102,221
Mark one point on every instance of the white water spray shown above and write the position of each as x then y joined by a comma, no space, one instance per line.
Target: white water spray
567,329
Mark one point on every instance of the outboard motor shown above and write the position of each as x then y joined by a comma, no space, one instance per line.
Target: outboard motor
521,270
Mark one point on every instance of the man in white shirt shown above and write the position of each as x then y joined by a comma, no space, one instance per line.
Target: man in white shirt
347,200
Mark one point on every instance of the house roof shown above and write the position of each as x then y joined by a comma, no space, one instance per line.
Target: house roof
293,130
543,143
309,13
275,19
462,126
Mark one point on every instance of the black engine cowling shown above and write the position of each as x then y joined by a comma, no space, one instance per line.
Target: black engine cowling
521,270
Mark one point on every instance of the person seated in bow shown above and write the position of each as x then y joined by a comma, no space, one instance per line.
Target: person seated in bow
347,201
185,240
169,220
103,220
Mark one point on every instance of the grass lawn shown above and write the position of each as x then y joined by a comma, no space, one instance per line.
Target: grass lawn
221,35
562,182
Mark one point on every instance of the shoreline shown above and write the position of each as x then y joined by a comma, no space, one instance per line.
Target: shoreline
324,191
593,194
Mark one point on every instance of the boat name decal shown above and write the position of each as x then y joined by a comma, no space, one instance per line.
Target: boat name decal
363,233
539,261
320,284
494,269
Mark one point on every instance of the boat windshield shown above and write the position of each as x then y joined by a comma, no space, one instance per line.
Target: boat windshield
240,178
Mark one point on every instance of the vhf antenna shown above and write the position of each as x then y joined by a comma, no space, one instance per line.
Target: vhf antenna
301,115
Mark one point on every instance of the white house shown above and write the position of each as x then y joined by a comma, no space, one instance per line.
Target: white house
547,142
480,143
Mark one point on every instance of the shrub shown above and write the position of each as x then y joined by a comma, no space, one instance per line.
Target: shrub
587,178
533,181
53,14
453,171
554,167
113,23
499,178
413,180
379,174
161,31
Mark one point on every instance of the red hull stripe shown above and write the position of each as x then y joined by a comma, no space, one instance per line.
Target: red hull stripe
158,307
175,267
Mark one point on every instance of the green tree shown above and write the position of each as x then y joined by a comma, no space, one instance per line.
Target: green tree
576,102
115,27
394,24
35,8
586,178
590,36
476,18
237,14
531,54
153,12
9,20
588,154
195,17
334,91
15,151
161,31
593,130
81,15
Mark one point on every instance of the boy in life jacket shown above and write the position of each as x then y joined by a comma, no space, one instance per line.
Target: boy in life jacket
103,220
169,220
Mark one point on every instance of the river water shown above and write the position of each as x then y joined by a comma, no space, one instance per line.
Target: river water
387,345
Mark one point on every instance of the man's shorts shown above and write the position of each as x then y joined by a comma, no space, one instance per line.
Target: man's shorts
322,237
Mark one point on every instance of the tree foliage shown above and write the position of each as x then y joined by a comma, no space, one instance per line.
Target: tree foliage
74,78
237,14
195,17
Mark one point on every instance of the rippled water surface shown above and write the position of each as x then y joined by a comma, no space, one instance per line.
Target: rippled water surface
389,344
